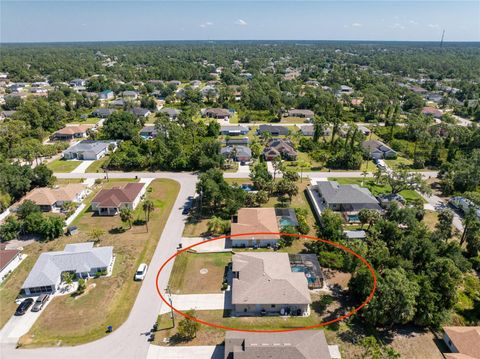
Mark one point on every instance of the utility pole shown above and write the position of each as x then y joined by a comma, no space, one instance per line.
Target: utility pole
169,293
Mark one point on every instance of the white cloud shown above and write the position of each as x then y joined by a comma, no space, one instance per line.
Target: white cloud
413,22
397,26
206,24
357,24
241,22
434,26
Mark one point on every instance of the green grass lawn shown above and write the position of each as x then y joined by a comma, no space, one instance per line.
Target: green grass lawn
96,166
377,189
87,121
63,166
398,163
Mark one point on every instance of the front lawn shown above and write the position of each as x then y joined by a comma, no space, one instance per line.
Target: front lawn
63,166
376,188
195,273
196,227
97,165
69,321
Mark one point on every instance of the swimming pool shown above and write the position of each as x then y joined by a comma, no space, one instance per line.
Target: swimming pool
284,222
353,218
310,277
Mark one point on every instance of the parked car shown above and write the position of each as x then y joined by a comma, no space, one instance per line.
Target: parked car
23,307
40,302
141,272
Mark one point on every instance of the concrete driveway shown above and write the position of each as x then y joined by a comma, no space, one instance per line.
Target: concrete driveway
82,167
18,326
214,301
185,352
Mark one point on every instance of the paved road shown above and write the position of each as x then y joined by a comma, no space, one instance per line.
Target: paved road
128,341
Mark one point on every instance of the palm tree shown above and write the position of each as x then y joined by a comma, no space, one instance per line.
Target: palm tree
147,208
216,225
95,234
126,215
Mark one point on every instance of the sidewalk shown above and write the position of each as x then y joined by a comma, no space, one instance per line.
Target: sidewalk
185,352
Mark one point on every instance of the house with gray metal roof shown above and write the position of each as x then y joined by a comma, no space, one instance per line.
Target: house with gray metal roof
237,153
82,259
264,283
234,130
89,150
344,198
305,344
171,112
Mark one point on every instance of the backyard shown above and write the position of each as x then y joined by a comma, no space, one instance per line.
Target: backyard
115,295
198,273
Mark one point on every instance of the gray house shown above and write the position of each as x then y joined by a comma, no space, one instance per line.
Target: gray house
82,259
237,153
89,150
342,198
275,130
230,141
171,112
378,149
234,130
305,344
102,112
301,113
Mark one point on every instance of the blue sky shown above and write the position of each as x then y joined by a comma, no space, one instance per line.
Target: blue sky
102,20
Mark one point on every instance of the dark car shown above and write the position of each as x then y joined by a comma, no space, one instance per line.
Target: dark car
186,210
40,302
23,307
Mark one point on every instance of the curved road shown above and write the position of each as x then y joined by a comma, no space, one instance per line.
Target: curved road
129,340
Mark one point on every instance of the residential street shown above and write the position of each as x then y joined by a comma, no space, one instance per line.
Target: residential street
128,341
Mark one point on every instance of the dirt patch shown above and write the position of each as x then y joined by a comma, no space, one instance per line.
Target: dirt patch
337,278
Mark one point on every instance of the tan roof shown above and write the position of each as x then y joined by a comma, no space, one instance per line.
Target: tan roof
256,220
465,339
47,196
72,130
267,278
114,197
307,344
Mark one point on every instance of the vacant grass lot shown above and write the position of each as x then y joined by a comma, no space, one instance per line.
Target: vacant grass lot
63,166
186,277
377,189
70,321
196,227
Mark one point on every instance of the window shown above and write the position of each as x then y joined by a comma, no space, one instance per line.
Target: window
273,305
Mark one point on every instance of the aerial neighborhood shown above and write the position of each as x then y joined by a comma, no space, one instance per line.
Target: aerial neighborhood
240,200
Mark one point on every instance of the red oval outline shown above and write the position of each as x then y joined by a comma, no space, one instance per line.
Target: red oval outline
322,324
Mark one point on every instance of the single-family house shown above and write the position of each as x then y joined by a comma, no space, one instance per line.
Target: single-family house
89,150
264,283
355,234
82,259
218,113
171,112
274,130
301,113
119,102
9,260
307,130
349,198
432,111
463,342
52,199
102,112
130,95
106,95
78,83
345,90
279,147
141,112
304,344
254,220
434,97
237,153
378,150
70,132
109,202
148,131
231,141
234,130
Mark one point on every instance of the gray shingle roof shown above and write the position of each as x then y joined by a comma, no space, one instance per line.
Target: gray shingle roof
333,193
79,258
308,344
88,145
